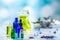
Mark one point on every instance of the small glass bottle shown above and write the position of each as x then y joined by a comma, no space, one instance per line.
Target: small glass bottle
13,34
22,35
9,28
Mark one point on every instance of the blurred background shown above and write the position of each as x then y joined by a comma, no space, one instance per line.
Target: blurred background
9,9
